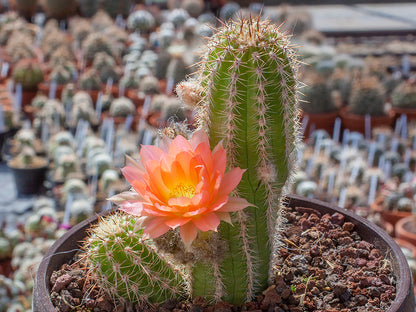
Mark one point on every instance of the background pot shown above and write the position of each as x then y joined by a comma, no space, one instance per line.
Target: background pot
409,112
65,247
355,122
324,121
406,229
29,181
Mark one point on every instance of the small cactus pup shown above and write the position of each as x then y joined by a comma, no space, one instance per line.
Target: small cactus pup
129,267
255,117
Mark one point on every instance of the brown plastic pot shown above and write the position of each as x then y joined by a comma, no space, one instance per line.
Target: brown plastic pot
409,112
390,216
324,121
63,250
406,229
356,123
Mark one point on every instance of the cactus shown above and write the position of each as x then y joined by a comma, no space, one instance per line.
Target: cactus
173,111
178,17
61,75
317,97
81,209
100,163
88,7
229,11
114,8
122,107
95,43
68,93
141,21
193,7
177,69
341,84
108,177
258,65
404,95
83,108
106,67
367,97
249,72
129,81
58,8
149,85
90,80
129,267
28,74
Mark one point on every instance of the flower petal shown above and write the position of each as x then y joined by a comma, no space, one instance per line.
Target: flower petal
230,181
134,163
132,174
199,137
224,216
235,204
155,228
188,233
134,208
207,222
150,152
174,223
178,145
118,199
180,201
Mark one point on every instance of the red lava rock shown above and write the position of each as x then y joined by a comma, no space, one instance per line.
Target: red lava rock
374,254
305,224
337,218
348,226
62,282
309,211
360,262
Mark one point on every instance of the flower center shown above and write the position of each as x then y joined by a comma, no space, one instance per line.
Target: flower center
183,190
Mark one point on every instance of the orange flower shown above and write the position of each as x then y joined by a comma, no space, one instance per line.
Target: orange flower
181,184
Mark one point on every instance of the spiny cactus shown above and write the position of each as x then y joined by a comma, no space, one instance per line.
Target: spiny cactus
61,75
367,97
317,97
90,80
229,11
141,21
95,43
28,74
177,69
404,95
128,266
114,8
122,107
129,81
163,60
88,7
193,7
149,85
255,116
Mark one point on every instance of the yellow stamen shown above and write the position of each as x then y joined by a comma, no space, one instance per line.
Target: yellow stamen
182,190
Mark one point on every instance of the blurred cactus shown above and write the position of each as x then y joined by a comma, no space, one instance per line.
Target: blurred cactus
59,9
90,80
28,74
317,97
141,21
404,95
122,107
229,11
367,97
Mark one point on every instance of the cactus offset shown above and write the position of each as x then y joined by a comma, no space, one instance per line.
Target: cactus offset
255,116
128,266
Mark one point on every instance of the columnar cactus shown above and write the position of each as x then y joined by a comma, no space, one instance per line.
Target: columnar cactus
129,267
249,102
255,116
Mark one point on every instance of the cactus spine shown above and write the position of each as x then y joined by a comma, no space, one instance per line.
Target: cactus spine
128,266
255,116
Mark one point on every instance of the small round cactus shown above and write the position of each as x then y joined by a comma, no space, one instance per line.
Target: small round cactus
61,75
90,80
100,163
178,17
39,101
149,85
367,97
193,7
122,107
129,81
28,74
141,21
108,177
317,97
127,266
81,209
229,11
95,43
404,95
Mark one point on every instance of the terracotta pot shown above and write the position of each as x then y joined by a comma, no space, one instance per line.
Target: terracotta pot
409,112
6,267
324,121
27,97
406,229
132,95
45,87
121,120
390,216
356,123
65,247
93,94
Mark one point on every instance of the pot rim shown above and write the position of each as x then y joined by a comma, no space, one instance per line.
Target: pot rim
41,291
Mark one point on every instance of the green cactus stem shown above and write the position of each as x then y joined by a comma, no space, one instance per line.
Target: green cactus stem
128,266
249,72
